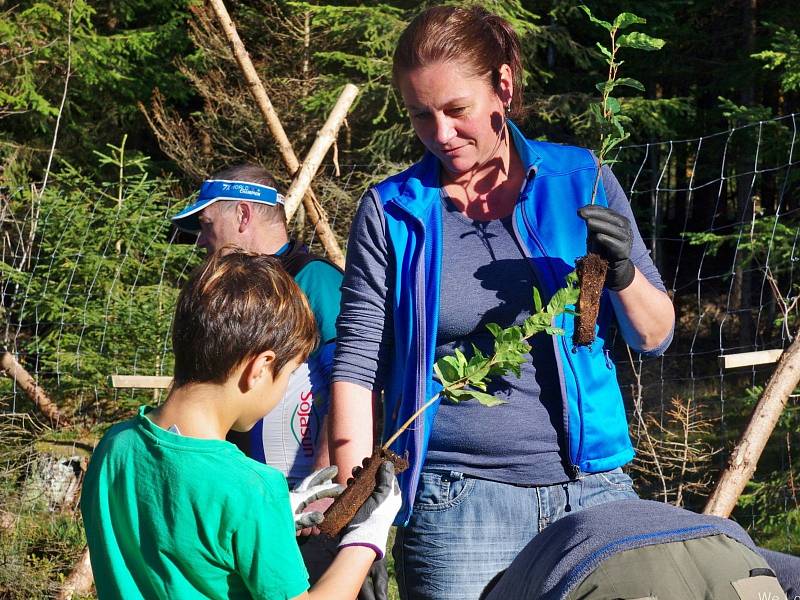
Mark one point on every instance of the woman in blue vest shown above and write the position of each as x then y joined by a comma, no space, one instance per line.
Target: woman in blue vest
449,245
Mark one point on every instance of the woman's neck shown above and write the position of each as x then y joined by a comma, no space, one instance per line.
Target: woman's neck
490,190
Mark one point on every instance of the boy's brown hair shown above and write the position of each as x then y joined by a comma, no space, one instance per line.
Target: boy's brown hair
234,306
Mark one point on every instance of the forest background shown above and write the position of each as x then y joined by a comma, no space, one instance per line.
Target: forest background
111,113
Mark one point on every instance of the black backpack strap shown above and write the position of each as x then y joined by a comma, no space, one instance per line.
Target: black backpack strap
297,256
241,439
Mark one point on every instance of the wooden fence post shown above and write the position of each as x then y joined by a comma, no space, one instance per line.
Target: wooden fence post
743,460
312,207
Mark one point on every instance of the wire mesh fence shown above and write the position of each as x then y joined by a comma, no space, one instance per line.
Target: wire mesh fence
90,272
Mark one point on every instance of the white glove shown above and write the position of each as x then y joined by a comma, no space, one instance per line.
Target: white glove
317,485
370,526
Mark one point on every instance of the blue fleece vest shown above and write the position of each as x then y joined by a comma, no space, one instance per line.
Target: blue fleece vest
553,236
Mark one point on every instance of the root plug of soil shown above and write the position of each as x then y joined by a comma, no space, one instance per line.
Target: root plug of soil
591,275
346,505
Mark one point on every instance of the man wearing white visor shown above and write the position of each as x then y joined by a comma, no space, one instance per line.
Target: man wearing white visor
241,206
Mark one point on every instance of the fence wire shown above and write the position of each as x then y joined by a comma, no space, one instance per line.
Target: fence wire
90,272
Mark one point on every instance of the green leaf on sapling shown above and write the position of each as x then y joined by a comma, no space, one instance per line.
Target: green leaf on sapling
461,360
486,399
477,355
476,378
511,335
529,327
497,369
627,19
640,41
455,395
468,394
605,51
495,329
606,87
616,142
604,24
564,296
613,105
447,370
596,112
537,300
515,356
476,363
479,383
572,278
630,82
620,129
440,376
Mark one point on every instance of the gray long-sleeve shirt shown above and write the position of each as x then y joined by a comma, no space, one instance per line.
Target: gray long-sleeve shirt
485,278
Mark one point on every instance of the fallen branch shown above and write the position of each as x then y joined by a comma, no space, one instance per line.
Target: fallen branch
256,88
79,580
744,459
11,367
325,137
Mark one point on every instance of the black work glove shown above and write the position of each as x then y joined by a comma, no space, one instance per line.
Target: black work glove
376,585
611,237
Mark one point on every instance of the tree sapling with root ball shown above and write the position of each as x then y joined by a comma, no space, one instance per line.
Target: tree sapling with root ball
607,114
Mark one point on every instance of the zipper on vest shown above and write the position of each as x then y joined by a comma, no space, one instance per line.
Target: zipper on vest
418,431
574,470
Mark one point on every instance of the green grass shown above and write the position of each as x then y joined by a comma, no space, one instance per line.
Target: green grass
394,594
37,552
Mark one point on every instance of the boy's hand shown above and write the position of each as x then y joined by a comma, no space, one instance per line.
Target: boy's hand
370,526
314,513
314,487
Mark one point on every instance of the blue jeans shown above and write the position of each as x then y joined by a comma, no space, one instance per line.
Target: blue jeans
464,531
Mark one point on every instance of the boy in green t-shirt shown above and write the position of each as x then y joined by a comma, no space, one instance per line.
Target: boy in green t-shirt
171,509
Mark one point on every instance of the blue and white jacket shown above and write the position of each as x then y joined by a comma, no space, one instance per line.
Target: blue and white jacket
559,181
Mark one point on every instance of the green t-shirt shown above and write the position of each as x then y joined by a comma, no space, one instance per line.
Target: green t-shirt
321,283
169,516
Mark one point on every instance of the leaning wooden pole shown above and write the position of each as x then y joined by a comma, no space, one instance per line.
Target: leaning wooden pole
325,138
326,236
13,369
743,460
